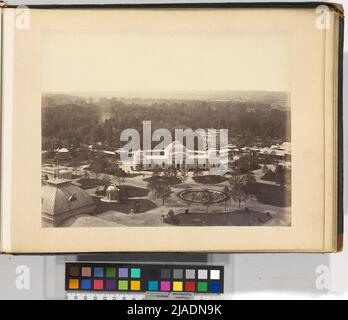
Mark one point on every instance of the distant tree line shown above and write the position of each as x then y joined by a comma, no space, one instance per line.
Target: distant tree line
88,123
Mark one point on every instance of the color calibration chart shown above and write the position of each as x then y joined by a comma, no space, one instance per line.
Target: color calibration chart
143,278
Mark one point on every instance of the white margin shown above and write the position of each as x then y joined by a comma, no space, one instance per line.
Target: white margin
6,122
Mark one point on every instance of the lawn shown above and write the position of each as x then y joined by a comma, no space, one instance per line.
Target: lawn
209,179
270,194
235,218
88,183
138,205
134,191
76,176
169,180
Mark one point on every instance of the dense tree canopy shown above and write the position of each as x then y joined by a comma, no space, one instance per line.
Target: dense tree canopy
84,122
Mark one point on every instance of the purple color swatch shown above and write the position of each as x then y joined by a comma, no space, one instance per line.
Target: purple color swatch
110,285
123,272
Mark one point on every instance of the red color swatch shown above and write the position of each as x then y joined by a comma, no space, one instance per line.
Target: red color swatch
190,286
98,284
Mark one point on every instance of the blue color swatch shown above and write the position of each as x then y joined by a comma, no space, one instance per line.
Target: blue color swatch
86,284
98,272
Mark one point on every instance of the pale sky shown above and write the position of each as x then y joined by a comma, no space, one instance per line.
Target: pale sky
164,61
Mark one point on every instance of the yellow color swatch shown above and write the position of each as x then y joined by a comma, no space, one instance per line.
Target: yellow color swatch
177,286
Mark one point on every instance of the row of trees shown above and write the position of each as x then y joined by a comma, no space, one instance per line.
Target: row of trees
101,165
238,190
280,175
245,164
79,122
159,188
171,172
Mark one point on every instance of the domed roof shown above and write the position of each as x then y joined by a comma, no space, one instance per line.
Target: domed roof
60,196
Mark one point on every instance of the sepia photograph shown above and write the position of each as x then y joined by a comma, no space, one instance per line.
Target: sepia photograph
151,135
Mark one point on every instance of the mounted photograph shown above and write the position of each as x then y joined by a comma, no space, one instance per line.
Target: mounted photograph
161,136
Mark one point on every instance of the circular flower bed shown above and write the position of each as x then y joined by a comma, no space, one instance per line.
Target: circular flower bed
202,196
